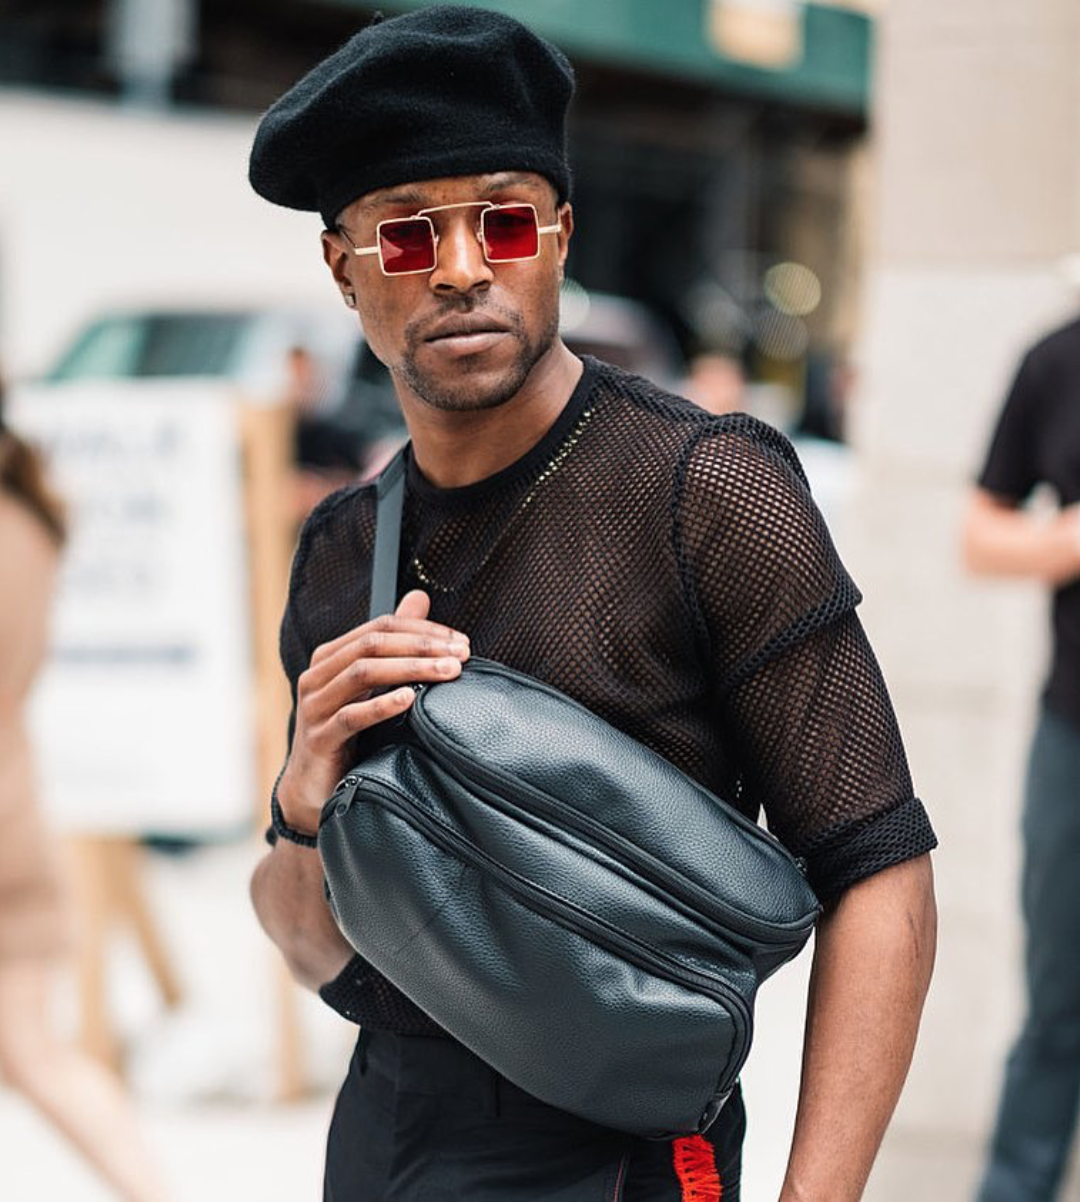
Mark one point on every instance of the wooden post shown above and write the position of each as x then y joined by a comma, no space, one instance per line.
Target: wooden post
124,858
266,438
90,885
266,442
110,894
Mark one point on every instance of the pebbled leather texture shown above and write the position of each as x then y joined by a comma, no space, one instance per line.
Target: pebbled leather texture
565,902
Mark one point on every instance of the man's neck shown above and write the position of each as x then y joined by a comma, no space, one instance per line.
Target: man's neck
453,448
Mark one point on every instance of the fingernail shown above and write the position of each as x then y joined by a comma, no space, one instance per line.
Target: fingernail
459,648
449,666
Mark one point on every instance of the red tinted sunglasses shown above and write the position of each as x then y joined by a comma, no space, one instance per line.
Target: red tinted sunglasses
508,233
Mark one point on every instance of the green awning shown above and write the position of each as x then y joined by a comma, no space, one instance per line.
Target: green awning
670,37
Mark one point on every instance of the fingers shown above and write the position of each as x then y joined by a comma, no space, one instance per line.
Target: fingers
358,679
354,718
370,645
388,622
416,604
431,638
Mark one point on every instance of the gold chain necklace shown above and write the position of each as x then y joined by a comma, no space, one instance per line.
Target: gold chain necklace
553,465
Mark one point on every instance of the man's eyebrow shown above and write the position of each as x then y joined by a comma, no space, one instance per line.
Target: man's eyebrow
511,179
399,196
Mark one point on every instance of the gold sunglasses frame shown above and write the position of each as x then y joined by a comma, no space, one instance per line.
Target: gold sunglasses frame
422,214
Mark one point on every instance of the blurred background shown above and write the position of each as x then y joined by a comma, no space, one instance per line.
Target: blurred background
847,218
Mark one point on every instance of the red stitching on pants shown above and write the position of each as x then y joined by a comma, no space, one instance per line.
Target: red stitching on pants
619,1180
695,1166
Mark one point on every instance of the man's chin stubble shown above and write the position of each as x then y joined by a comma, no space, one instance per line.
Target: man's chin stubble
460,394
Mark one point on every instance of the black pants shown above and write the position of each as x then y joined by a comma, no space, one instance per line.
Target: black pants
423,1120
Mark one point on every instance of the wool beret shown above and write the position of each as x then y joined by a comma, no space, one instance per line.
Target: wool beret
443,91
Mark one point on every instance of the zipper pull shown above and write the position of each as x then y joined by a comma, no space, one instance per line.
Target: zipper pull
343,796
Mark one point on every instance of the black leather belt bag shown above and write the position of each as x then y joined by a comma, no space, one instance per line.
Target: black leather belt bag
569,905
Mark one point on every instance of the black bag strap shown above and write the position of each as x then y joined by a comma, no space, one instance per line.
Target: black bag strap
390,501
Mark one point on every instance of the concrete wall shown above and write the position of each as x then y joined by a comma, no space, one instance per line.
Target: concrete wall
977,198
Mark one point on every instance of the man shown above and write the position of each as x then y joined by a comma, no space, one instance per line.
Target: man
1037,441
665,567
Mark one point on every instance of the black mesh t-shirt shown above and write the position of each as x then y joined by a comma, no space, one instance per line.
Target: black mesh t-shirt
669,570
1037,441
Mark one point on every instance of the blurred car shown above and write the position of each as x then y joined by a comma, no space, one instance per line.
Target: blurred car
246,346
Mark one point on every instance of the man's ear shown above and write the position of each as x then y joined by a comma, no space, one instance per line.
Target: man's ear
336,256
566,229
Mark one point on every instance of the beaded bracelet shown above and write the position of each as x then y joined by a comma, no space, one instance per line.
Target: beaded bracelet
281,827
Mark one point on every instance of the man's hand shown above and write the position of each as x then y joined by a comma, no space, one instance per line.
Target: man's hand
352,683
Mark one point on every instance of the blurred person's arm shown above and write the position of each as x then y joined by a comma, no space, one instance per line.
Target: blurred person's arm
873,958
289,900
1001,539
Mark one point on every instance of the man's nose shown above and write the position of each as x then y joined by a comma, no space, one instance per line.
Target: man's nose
460,265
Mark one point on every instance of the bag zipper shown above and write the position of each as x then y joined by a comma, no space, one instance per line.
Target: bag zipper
492,668
492,781
549,905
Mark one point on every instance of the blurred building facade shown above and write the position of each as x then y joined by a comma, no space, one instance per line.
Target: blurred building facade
712,140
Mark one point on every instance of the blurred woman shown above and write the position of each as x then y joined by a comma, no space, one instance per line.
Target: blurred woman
83,1101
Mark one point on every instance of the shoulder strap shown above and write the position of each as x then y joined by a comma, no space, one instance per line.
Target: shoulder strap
390,500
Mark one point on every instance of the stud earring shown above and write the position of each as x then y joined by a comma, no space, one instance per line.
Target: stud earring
350,300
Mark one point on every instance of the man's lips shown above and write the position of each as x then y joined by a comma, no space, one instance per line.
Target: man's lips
464,326
465,334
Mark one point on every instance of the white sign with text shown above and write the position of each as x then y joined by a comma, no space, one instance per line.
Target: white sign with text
143,718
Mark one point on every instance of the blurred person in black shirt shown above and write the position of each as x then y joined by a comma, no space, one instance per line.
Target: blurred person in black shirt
1037,442
325,454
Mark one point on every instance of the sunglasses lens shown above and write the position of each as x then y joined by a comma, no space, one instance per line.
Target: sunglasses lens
406,245
510,233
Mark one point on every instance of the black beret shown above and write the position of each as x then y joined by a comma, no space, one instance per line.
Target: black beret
444,91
